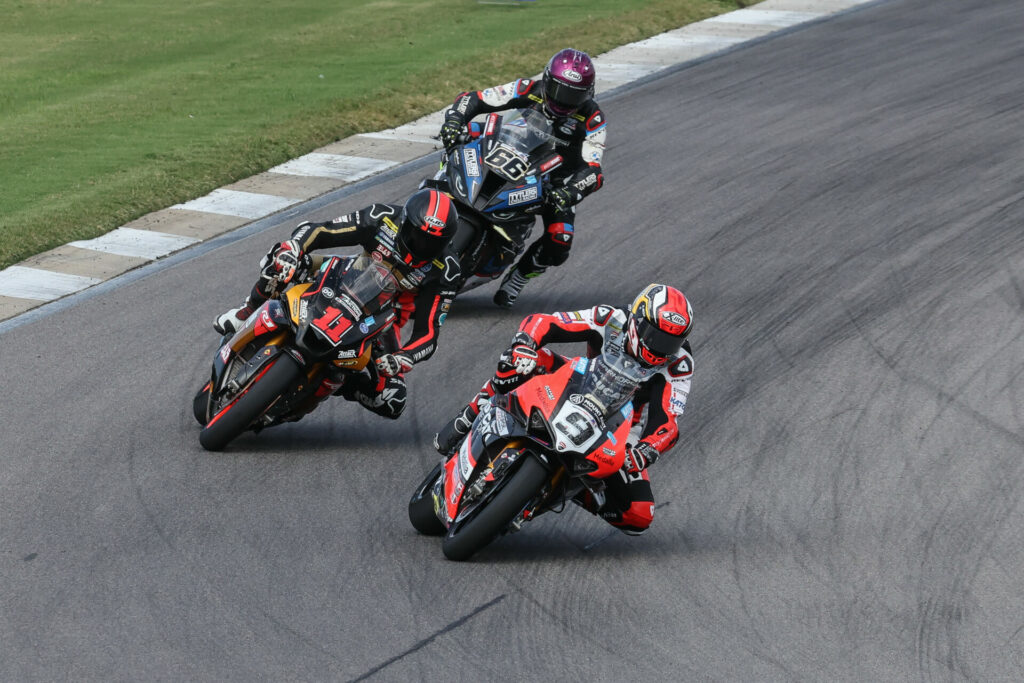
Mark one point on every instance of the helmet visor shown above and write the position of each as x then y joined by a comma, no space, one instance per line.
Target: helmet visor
658,344
421,246
564,98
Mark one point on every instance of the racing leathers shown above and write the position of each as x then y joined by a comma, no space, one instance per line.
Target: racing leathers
658,403
427,291
582,139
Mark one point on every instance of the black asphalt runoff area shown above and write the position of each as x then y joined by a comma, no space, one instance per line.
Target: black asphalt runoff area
844,206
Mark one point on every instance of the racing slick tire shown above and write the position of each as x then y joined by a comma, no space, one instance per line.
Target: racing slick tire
494,514
267,386
200,403
421,507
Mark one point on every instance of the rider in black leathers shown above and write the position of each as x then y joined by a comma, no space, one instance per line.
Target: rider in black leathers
565,96
414,240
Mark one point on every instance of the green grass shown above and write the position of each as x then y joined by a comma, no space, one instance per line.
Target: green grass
111,109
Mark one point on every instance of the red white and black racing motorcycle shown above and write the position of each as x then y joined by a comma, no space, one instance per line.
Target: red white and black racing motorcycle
529,451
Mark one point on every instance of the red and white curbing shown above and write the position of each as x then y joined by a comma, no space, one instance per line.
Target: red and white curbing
82,264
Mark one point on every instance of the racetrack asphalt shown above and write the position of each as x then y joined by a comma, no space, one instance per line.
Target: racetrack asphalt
842,204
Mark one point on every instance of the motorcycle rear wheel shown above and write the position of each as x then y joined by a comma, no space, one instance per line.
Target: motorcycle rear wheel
482,526
421,507
251,402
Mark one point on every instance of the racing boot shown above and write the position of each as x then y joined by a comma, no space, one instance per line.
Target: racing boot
231,321
515,279
449,436
512,284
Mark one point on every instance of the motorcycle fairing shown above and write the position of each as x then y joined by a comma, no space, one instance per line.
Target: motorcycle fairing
335,317
575,425
491,426
480,171
266,321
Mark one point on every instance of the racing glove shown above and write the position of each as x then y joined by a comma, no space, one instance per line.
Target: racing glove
639,457
452,133
522,355
560,199
523,359
392,364
285,260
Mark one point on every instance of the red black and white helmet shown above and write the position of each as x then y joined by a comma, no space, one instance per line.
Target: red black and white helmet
568,82
659,322
428,223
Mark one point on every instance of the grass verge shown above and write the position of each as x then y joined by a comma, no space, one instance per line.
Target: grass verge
111,109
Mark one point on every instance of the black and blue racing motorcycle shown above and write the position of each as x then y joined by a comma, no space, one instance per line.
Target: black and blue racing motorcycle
498,178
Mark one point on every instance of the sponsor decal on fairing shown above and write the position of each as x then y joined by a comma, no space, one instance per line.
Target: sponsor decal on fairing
521,196
465,464
350,305
266,323
471,163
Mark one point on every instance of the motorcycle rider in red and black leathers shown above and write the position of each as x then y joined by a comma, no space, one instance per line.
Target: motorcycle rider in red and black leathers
653,331
564,94
415,240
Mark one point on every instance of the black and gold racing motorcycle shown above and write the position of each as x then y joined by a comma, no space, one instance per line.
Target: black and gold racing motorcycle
297,349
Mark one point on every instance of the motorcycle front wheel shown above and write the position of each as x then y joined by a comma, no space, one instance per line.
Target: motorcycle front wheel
467,536
235,417
199,404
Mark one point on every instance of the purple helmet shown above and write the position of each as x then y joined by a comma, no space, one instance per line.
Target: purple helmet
568,82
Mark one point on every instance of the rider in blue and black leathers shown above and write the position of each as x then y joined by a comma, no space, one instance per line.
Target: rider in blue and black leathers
565,96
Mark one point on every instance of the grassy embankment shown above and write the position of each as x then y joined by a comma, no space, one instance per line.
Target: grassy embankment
111,109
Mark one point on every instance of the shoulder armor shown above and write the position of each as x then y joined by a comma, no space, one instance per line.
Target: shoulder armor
595,120
681,366
604,314
378,211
